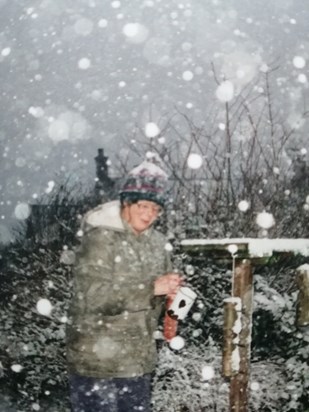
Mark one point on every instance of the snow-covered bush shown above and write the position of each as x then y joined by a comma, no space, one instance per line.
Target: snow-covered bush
277,340
34,298
190,379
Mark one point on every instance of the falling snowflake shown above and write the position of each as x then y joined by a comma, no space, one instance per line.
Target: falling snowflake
6,51
84,63
189,269
130,29
103,23
22,211
265,220
20,162
299,62
44,307
168,247
225,91
36,111
196,316
208,373
83,26
152,130
276,170
255,386
177,343
50,186
67,257
16,368
135,32
59,130
243,205
116,4
194,161
187,75
302,78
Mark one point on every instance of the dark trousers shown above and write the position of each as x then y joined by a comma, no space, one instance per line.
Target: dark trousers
110,395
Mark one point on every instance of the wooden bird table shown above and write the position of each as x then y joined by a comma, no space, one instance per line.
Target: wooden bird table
245,253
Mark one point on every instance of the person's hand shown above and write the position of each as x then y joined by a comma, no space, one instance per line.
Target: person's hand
168,284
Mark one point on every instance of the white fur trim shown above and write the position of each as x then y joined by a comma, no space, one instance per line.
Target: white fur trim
106,215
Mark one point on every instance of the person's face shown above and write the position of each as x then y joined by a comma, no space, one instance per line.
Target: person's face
141,215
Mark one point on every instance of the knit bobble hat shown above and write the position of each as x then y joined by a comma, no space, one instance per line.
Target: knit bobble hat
145,182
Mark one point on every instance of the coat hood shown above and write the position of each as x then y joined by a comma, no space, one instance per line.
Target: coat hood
106,215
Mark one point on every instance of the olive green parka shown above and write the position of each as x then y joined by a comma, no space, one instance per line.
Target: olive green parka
114,313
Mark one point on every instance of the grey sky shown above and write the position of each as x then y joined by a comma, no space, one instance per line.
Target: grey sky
77,75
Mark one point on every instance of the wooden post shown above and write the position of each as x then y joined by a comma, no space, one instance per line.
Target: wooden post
302,318
231,329
242,288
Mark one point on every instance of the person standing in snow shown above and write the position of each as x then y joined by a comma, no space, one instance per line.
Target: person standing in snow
121,276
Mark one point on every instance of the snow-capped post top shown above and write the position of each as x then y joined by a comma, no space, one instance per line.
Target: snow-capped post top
232,249
145,182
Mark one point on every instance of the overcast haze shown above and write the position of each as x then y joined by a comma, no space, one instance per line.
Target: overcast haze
81,74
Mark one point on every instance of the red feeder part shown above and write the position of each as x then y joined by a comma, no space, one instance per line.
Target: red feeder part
169,325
